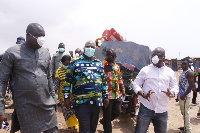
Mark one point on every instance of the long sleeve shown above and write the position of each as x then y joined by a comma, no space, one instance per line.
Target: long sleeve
6,66
68,82
52,65
173,84
104,86
56,81
120,82
50,84
138,82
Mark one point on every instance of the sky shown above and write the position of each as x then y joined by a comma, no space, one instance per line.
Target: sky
171,24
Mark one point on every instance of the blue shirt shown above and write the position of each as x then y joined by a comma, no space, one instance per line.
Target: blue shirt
88,82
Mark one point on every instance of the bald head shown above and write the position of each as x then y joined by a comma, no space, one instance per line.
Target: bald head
33,32
35,29
89,44
159,49
160,52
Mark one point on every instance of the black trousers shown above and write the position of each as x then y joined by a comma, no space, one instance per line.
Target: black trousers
88,116
110,113
194,96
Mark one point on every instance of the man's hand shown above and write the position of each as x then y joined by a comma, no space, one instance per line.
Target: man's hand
2,118
194,90
148,95
105,102
67,103
123,94
168,93
182,97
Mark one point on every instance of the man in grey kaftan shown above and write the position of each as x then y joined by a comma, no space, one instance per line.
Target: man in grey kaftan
34,100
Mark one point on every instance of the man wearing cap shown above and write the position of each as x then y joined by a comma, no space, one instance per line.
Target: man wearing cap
20,40
34,101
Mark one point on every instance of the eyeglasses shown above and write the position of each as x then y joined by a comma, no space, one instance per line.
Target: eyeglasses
33,36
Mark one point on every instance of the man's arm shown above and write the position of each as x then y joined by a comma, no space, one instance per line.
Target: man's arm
50,84
173,89
6,66
67,85
52,66
56,81
121,85
105,90
190,77
138,83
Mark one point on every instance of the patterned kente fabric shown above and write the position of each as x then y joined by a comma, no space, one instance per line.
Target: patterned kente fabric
183,83
114,81
88,82
59,82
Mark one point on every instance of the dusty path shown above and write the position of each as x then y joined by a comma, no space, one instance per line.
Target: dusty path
126,124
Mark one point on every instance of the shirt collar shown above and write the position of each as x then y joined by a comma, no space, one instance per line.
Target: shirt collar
106,63
160,67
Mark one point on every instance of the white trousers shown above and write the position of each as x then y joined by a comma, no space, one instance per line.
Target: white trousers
184,106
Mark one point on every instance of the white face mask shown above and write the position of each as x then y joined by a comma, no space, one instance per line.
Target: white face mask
77,55
155,60
41,40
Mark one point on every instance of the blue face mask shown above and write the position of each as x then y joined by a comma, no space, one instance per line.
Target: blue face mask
65,66
190,64
89,52
61,50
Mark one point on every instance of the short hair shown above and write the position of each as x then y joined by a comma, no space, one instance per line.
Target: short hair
65,58
61,44
109,50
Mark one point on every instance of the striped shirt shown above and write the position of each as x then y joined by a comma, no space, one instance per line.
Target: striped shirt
59,82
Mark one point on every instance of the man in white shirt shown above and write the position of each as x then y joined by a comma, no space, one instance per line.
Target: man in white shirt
154,85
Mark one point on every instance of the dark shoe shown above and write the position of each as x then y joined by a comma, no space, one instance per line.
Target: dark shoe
101,121
198,115
182,132
195,103
176,99
181,128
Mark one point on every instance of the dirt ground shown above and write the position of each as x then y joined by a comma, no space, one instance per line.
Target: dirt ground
126,124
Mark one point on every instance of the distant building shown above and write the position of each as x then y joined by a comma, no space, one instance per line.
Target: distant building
175,64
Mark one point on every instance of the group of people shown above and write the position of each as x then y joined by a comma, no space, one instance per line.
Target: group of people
84,85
